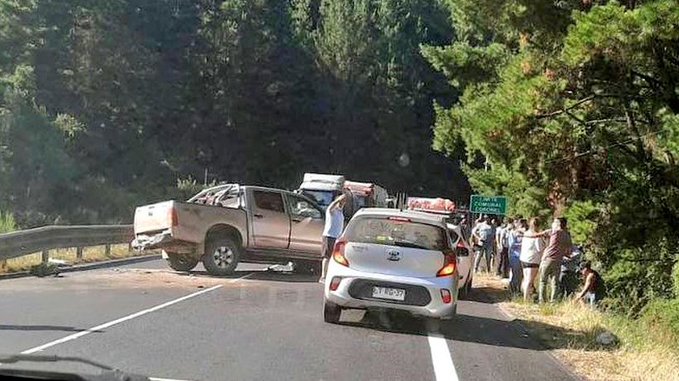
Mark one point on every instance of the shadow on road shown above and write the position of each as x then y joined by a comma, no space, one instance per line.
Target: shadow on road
267,275
474,329
276,276
204,274
488,295
4,327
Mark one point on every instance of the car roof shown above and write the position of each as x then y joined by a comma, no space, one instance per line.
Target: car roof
426,218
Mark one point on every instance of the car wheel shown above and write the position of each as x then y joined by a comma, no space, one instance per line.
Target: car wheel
221,256
179,262
331,312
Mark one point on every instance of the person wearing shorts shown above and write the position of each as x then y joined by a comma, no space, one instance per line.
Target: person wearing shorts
531,256
334,224
328,246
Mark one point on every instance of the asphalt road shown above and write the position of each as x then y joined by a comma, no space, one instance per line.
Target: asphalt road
257,325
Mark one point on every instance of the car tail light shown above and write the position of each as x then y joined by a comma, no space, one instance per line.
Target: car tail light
338,253
449,265
334,284
174,218
446,296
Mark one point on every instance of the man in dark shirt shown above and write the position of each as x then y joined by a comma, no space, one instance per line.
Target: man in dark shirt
593,290
560,246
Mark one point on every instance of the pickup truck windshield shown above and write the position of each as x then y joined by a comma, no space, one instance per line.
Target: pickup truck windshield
397,233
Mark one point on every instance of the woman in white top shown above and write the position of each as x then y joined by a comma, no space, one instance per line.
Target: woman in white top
531,255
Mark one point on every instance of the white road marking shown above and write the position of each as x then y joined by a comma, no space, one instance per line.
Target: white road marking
123,319
444,369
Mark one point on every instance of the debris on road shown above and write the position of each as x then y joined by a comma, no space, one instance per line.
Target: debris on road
290,267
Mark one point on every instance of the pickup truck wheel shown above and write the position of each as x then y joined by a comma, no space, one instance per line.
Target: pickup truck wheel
331,313
179,262
221,256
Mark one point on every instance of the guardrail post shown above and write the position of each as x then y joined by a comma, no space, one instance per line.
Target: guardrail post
45,256
107,250
78,253
129,247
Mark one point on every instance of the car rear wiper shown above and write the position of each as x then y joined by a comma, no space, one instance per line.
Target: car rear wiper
108,373
409,244
12,359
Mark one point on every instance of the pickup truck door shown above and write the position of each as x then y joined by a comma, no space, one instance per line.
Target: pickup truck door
270,222
307,223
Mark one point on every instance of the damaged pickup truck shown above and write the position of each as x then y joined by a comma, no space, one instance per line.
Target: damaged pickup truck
227,224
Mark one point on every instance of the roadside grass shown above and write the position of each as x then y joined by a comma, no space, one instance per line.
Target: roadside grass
644,351
90,254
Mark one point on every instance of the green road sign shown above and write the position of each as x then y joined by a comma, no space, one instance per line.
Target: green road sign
488,205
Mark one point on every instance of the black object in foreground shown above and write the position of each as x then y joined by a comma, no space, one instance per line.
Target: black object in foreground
107,374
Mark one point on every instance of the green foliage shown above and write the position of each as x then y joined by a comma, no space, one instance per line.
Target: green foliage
574,108
582,221
104,104
186,188
663,315
7,223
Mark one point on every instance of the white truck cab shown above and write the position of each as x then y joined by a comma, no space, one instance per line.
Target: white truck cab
322,188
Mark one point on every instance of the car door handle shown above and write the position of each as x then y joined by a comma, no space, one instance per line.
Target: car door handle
297,219
258,216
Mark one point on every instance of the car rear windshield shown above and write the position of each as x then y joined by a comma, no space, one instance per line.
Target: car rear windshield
393,232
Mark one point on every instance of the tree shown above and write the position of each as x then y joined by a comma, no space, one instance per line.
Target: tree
569,104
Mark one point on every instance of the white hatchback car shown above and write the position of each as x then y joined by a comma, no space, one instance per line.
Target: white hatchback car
391,259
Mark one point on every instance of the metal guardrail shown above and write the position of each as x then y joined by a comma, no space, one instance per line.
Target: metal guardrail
30,241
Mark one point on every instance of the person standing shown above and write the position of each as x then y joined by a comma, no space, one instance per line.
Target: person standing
484,233
515,242
334,224
531,256
494,224
504,231
560,246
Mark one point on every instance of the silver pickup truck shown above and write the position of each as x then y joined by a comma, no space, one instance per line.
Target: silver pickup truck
224,225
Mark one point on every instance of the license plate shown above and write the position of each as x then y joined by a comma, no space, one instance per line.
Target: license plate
389,293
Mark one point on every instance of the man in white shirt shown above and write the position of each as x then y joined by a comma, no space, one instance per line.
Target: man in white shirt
484,233
334,224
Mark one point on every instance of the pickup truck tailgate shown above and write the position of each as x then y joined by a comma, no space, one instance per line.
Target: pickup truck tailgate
154,218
